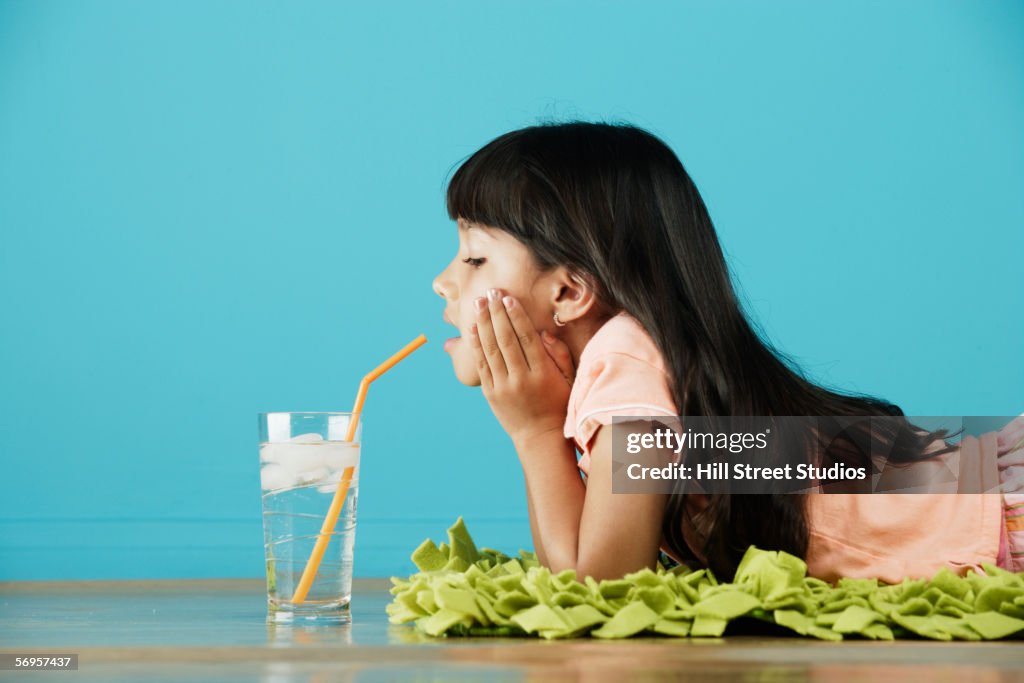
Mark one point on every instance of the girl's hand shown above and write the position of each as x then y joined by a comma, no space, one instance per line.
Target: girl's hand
559,353
526,379
1010,443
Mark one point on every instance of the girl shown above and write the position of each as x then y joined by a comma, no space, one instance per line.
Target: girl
589,282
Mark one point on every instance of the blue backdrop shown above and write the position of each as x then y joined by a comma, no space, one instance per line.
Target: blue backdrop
214,209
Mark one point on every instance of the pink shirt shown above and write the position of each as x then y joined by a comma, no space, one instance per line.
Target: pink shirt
888,536
620,372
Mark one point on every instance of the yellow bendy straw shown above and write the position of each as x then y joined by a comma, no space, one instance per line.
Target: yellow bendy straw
313,564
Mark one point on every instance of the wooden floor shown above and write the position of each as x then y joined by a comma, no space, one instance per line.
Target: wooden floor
217,631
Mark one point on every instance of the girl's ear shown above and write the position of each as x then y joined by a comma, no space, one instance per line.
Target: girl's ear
572,295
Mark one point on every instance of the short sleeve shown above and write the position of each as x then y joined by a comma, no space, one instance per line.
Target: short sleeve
617,384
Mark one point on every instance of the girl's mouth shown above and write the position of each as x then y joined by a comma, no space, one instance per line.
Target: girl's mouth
450,342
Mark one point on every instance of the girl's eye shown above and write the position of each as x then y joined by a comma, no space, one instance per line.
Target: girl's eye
475,262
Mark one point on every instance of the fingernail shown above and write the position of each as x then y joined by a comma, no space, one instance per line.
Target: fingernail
480,303
508,301
492,294
546,337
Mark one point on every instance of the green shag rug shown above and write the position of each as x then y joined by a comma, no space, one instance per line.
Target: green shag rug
464,591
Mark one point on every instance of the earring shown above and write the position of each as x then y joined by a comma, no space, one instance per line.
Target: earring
557,321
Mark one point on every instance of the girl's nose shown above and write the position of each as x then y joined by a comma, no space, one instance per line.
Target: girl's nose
439,288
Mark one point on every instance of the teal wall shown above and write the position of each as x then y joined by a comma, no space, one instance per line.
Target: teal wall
211,209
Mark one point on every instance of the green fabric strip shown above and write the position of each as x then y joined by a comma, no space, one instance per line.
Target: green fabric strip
461,590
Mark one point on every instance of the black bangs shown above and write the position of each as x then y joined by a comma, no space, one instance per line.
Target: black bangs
489,187
549,186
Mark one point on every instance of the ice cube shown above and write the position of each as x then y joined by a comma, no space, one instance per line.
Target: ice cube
270,452
337,427
273,477
296,457
314,476
279,426
330,483
338,455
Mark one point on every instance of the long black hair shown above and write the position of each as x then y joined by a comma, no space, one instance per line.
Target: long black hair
612,202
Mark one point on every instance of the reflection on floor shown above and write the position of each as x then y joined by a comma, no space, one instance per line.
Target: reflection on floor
216,631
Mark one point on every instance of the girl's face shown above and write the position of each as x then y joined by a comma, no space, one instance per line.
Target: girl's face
488,258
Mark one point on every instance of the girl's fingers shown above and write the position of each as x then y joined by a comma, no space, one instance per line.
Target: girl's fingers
485,332
1013,484
1010,458
505,331
1010,436
482,366
524,334
559,353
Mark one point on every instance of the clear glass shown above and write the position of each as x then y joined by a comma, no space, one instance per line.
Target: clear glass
303,456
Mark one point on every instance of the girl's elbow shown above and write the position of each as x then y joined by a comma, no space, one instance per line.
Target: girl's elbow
585,570
597,572
601,568
595,569
583,563
559,563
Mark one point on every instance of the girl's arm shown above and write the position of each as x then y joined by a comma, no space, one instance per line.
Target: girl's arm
554,498
538,546
587,528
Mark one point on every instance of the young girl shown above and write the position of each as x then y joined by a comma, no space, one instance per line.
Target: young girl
589,282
